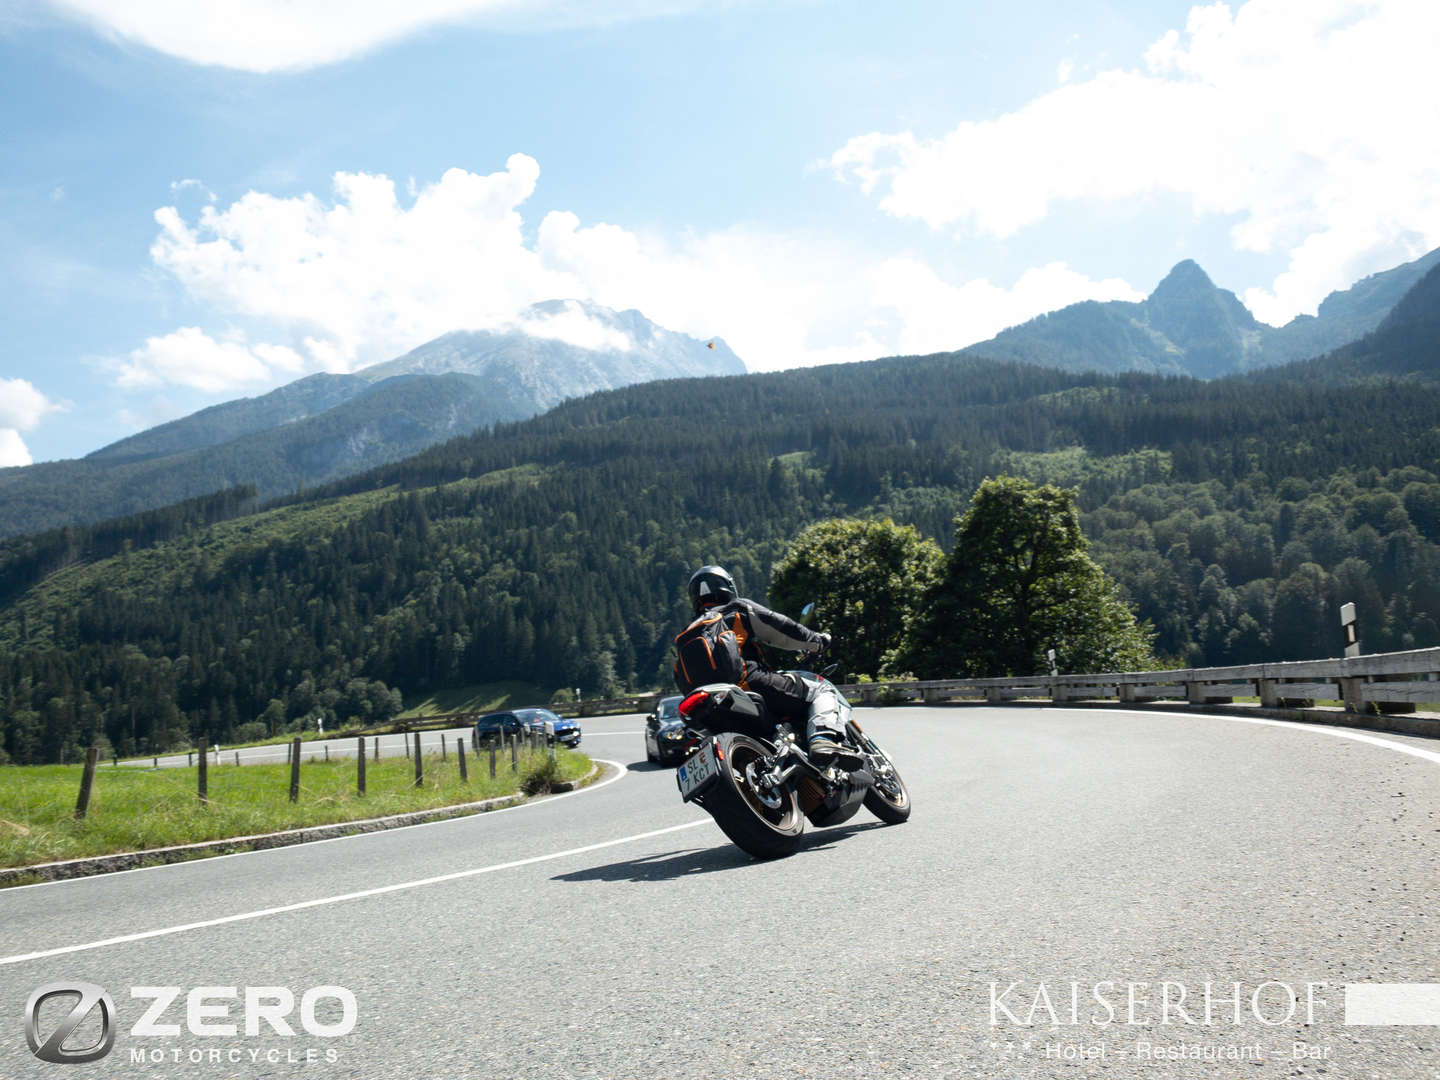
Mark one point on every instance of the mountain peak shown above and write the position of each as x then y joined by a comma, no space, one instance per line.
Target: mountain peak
557,349
1185,279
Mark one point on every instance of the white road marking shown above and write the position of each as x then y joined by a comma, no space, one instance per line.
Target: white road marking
361,894
620,772
1316,729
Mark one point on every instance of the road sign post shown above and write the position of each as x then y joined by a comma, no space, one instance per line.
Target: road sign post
1352,631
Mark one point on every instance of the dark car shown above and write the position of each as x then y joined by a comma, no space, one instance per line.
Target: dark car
565,732
665,739
491,726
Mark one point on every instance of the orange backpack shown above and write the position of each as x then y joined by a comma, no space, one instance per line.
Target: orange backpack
708,651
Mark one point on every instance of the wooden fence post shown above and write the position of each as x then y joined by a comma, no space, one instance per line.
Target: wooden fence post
87,780
295,769
515,754
204,775
460,753
360,763
492,761
419,768
444,756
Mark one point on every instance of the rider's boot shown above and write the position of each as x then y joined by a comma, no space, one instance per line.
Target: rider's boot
826,747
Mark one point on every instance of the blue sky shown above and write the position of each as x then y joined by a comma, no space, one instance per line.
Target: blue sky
202,200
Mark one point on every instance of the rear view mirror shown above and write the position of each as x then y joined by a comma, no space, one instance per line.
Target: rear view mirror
806,612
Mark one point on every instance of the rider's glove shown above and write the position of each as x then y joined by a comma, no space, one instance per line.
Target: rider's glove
821,643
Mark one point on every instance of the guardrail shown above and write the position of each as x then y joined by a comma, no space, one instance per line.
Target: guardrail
1378,683
1387,683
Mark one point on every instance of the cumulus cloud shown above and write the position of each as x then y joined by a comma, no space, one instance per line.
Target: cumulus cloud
276,35
22,407
1302,119
574,327
190,357
13,451
363,277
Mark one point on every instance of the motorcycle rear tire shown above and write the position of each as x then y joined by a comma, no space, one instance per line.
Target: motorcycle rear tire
763,831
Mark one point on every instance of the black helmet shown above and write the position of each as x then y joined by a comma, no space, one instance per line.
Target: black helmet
711,585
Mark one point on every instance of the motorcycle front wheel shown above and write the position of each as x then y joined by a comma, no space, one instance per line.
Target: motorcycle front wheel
765,822
889,799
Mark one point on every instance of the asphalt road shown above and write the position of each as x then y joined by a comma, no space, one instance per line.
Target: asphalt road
1056,859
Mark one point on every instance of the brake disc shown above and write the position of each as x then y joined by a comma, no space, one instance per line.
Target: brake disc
764,792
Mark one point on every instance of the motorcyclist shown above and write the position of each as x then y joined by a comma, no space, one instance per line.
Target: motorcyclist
713,589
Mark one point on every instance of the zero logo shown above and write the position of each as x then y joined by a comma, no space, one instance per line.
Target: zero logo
88,997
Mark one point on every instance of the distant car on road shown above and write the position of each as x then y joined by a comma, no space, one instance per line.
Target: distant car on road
566,732
492,726
665,739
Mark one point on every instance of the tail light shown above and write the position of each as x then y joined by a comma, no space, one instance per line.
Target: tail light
693,702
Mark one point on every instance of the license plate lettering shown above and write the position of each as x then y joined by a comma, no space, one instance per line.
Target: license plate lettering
697,771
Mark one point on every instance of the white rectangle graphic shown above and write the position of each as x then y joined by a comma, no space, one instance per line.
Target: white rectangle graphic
1384,1004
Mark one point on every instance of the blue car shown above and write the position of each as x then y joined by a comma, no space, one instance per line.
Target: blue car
566,732
492,726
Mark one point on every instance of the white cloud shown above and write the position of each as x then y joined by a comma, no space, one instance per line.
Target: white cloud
190,357
1303,119
22,407
177,186
13,450
365,278
277,35
574,327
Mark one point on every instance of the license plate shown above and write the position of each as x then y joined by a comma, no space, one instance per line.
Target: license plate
699,769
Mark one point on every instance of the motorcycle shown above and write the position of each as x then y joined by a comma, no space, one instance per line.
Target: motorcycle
752,775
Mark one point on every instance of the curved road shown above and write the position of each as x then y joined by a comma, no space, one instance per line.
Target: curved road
1066,872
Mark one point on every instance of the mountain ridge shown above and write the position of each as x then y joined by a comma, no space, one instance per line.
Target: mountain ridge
325,426
1190,326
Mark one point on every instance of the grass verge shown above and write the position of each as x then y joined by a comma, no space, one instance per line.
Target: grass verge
135,810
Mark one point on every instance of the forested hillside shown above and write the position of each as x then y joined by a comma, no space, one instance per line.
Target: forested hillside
1238,514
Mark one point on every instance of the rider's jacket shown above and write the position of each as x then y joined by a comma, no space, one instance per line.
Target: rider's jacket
756,625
